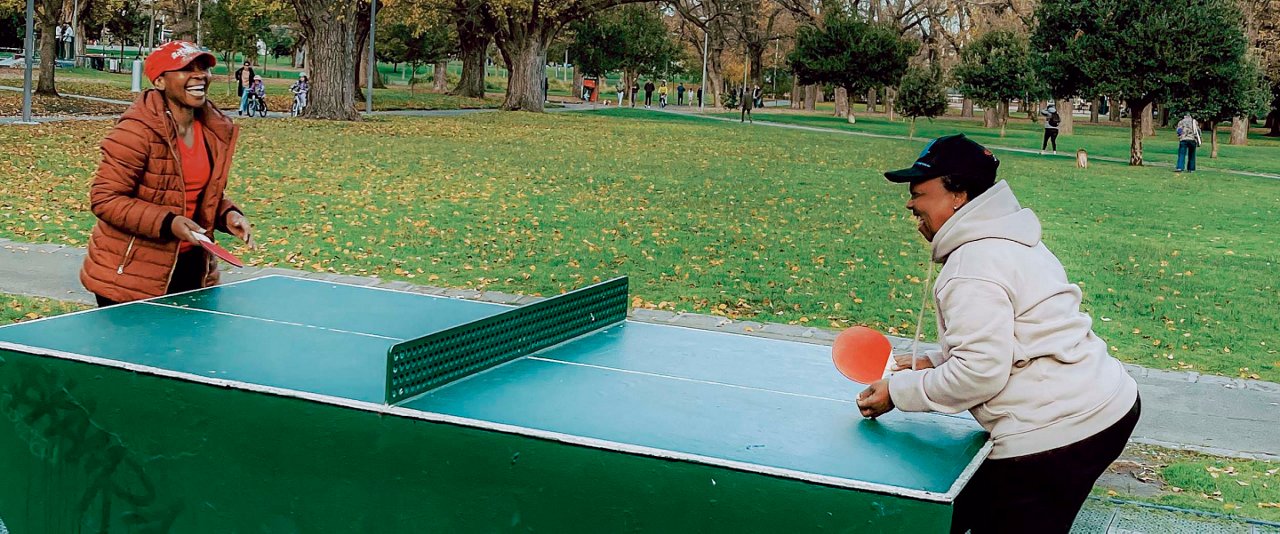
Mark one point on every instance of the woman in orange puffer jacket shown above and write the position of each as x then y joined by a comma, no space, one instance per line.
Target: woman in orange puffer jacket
161,182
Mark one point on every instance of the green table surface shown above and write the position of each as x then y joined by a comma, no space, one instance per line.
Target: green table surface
774,406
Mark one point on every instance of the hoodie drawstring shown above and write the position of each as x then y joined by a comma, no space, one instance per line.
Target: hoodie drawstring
924,303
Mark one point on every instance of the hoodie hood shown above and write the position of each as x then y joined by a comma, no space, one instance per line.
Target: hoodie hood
994,214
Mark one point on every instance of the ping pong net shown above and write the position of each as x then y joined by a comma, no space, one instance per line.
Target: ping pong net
420,365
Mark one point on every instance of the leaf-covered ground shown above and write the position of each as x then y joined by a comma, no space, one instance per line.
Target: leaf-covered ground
1231,486
17,308
1178,271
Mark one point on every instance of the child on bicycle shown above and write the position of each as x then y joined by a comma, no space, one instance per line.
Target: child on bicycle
300,90
258,90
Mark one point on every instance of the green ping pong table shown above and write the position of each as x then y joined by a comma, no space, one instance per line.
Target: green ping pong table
282,404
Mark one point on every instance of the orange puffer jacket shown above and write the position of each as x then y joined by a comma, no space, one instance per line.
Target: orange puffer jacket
138,184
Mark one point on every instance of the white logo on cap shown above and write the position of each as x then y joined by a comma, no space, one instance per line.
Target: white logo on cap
186,51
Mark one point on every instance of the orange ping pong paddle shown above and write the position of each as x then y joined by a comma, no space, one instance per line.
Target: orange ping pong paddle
861,354
218,251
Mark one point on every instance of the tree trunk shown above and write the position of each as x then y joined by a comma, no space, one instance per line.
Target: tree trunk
872,97
440,76
1114,111
889,95
1004,116
474,44
1148,125
526,57
797,92
1273,119
990,119
966,108
842,102
1213,140
1239,131
811,97
49,50
329,27
911,132
578,79
1135,134
1068,124
79,38
1094,108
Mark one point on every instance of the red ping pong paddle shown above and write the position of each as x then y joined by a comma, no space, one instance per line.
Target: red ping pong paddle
218,251
861,354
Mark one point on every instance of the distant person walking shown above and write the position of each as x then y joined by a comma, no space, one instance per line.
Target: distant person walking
1188,141
622,92
67,44
244,77
747,101
1051,122
648,93
635,90
757,97
57,39
680,94
699,96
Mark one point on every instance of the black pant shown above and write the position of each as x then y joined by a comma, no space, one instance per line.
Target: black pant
1040,492
187,275
1050,134
648,98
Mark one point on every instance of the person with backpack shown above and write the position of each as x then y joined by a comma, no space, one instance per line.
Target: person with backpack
680,94
1188,140
1052,120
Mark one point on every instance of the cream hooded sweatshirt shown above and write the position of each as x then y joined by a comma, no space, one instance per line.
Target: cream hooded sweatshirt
1017,352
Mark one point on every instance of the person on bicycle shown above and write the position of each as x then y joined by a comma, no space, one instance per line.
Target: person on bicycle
258,90
300,90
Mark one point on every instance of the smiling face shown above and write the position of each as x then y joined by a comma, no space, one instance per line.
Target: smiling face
933,205
186,87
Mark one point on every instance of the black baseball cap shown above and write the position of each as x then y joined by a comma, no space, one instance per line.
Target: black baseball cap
952,155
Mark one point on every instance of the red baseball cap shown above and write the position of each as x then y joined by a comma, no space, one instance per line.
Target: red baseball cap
174,55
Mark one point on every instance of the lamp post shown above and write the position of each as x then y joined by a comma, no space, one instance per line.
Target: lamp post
29,49
373,65
75,32
702,88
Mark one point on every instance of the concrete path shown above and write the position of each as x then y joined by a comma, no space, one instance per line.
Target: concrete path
1212,414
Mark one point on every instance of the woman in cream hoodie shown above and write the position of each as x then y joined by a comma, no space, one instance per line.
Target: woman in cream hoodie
1017,352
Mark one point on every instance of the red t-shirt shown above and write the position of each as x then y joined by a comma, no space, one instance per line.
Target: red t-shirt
195,172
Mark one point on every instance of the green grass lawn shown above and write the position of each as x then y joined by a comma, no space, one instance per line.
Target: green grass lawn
1188,480
760,223
1262,154
16,308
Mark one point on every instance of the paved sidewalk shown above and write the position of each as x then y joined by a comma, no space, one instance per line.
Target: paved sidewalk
1212,414
566,106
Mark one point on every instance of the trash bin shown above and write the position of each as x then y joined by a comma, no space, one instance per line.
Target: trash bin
97,62
589,87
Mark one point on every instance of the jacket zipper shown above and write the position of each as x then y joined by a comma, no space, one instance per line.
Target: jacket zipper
125,261
177,250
